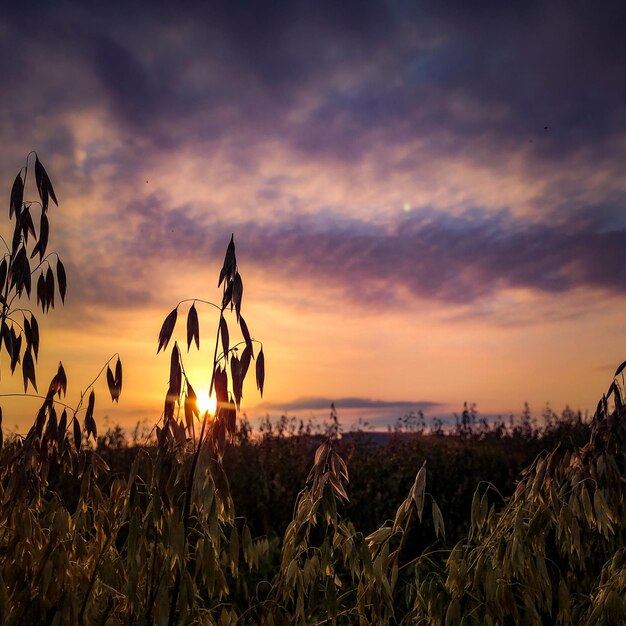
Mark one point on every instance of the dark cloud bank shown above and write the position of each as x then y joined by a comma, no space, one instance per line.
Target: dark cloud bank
470,70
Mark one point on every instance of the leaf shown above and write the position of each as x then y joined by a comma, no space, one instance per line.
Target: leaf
77,434
34,330
28,227
20,273
338,488
175,373
228,294
41,291
18,267
230,262
224,335
619,370
28,370
90,423
7,338
44,230
118,377
193,327
17,196
237,294
62,380
246,335
235,372
53,387
614,389
41,187
52,429
27,331
167,329
611,388
61,279
17,347
49,289
260,371
26,278
44,186
62,429
3,274
22,276
221,387
440,530
50,188
111,384
17,237
418,490
40,420
244,364
320,454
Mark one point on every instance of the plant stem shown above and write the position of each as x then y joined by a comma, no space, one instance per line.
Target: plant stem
217,341
186,516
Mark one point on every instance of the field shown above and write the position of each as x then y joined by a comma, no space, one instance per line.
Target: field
205,524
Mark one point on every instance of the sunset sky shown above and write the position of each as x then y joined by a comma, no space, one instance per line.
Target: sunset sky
428,198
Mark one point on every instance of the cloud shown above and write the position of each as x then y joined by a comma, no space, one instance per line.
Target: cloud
425,254
453,259
316,403
393,88
336,79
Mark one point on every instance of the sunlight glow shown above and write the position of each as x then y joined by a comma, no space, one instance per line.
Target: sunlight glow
206,402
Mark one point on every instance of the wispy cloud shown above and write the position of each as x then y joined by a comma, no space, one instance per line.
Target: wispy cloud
315,404
426,254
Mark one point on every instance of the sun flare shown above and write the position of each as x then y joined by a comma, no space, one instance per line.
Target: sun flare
206,402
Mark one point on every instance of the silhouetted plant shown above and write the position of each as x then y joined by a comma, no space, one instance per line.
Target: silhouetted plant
555,552
26,463
16,273
16,276
177,434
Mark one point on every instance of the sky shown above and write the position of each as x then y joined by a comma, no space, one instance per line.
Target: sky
428,199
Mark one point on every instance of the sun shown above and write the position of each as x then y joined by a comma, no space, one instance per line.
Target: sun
206,402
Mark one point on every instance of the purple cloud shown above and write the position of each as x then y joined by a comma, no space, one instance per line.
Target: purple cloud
317,403
423,254
401,69
437,256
